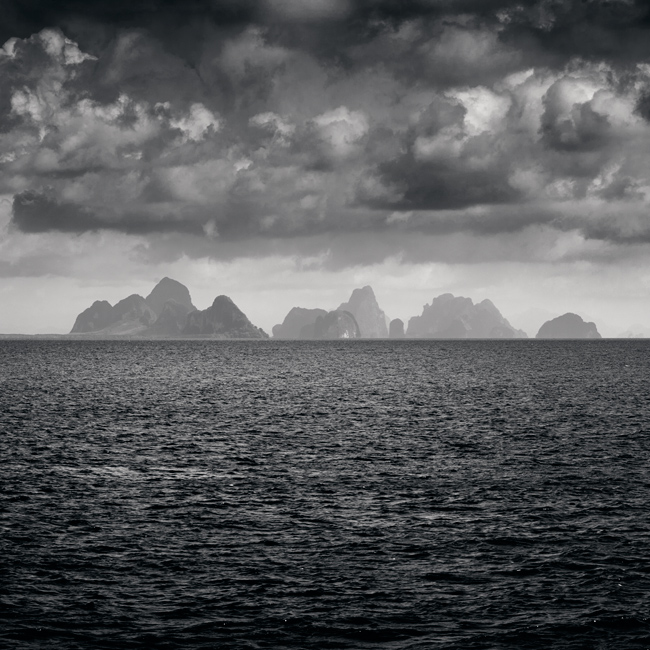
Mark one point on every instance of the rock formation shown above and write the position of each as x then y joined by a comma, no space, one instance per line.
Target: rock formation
568,326
134,307
396,329
308,331
335,324
130,316
171,321
223,320
98,316
370,318
168,289
449,317
295,321
166,312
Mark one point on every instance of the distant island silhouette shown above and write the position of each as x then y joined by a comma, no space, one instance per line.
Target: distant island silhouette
168,312
568,326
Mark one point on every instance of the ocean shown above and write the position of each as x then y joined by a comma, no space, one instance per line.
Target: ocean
316,495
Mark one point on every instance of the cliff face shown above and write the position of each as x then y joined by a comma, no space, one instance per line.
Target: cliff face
449,316
223,320
568,326
295,321
365,309
168,289
130,316
98,316
134,307
171,321
438,317
335,324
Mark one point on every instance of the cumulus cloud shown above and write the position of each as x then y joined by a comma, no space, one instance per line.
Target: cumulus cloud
196,123
341,131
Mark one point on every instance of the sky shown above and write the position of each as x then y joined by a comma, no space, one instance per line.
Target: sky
284,152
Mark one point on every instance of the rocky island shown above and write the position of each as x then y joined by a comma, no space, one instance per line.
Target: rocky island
568,326
359,317
396,329
452,317
166,312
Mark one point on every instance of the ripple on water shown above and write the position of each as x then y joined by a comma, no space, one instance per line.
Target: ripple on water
409,494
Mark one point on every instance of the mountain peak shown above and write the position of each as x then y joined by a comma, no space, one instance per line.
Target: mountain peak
222,320
169,289
364,293
98,316
367,313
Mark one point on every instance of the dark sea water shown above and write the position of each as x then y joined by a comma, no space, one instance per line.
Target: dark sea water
354,494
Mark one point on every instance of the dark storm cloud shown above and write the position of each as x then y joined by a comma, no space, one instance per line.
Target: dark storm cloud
289,119
140,67
35,212
24,17
442,186
610,29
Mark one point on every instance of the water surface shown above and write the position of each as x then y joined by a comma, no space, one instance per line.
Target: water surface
354,494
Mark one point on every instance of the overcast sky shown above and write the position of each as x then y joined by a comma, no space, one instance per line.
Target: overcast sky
284,152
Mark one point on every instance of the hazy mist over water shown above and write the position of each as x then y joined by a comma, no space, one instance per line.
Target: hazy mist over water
344,494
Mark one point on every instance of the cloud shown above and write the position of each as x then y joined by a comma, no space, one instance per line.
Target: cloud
486,33
196,124
341,131
307,10
437,118
35,212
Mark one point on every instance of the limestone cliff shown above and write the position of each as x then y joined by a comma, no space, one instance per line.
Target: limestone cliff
171,321
98,316
295,321
336,324
131,316
223,320
365,309
449,317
